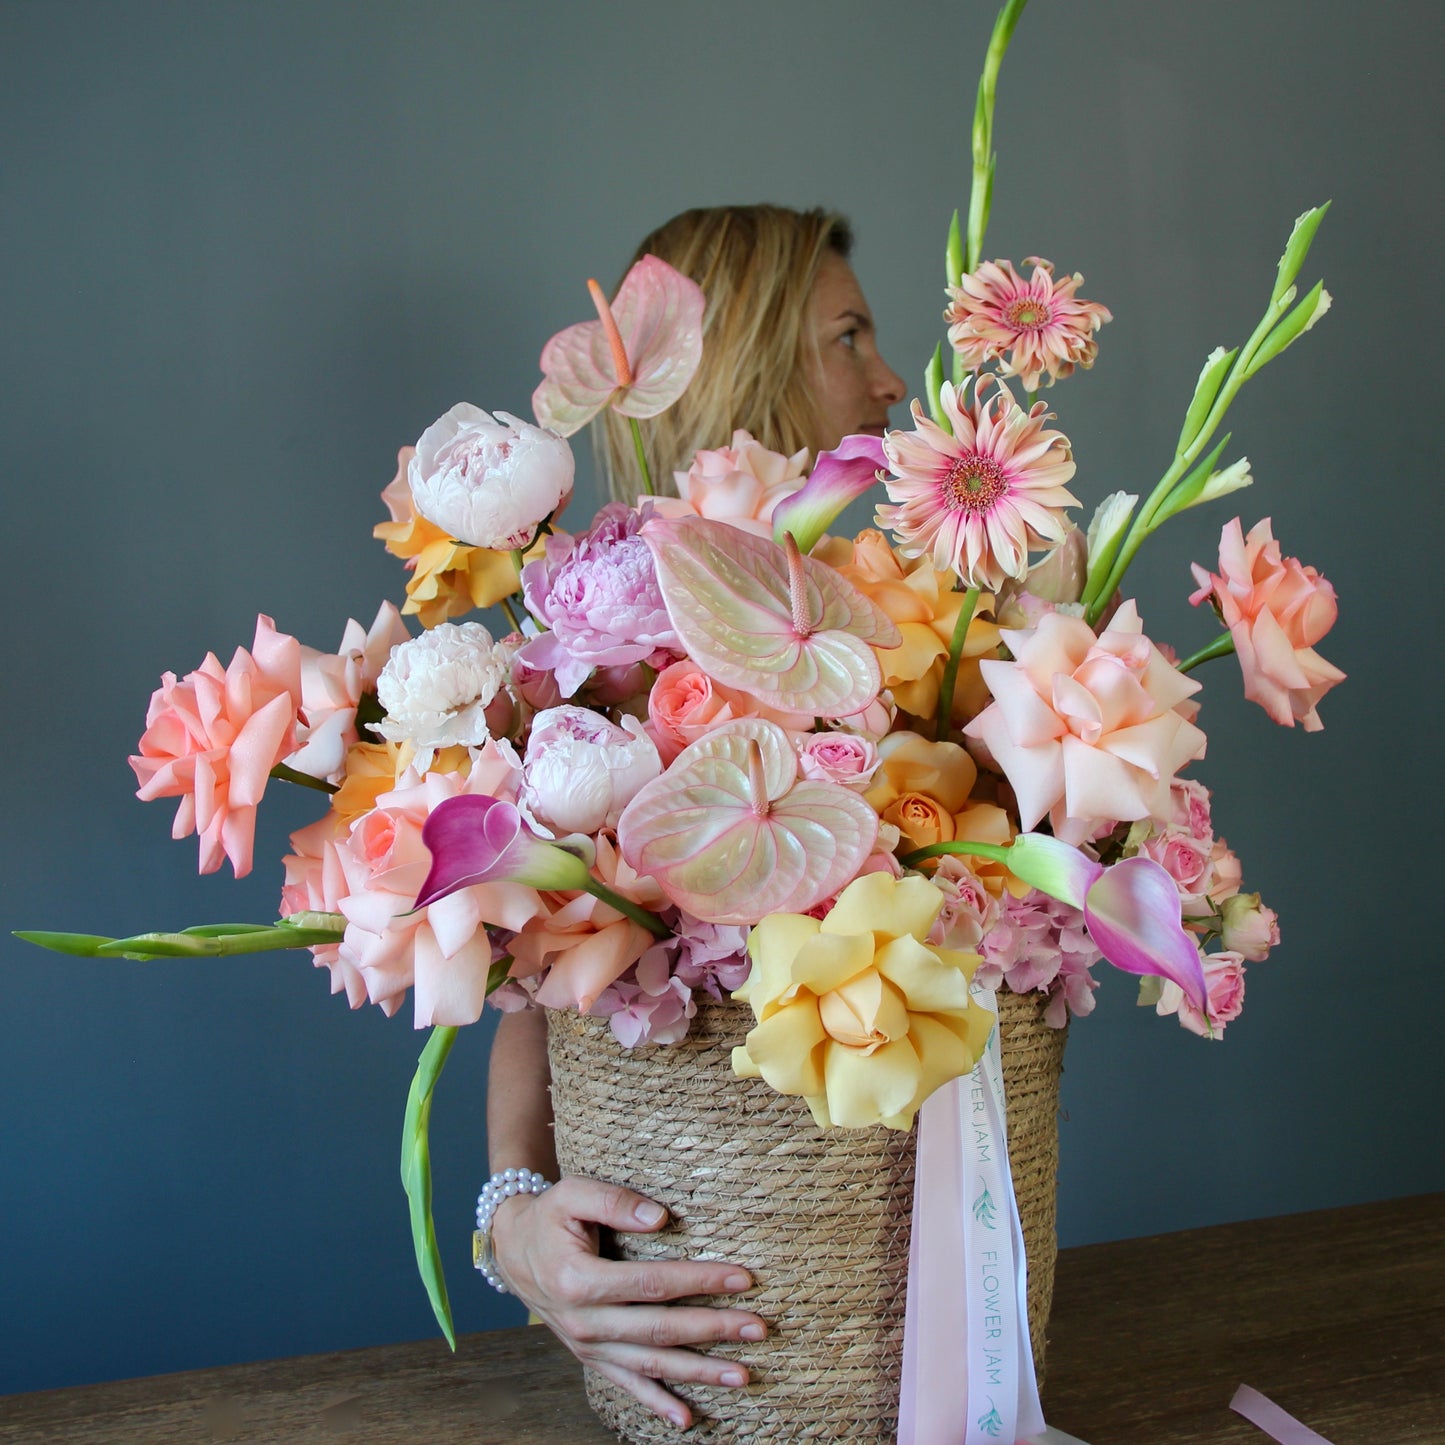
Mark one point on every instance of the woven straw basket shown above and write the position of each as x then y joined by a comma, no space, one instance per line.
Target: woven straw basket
820,1218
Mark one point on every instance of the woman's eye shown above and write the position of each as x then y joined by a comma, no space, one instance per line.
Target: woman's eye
850,339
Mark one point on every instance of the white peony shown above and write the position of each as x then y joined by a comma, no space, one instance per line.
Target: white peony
437,689
581,771
489,481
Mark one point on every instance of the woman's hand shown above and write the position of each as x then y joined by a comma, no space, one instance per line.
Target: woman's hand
612,1315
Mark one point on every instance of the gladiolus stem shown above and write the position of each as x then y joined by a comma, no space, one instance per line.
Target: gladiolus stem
998,852
641,457
283,774
950,670
1222,646
650,921
981,192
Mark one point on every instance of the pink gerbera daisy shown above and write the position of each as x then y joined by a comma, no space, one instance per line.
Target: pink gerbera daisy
1043,327
977,501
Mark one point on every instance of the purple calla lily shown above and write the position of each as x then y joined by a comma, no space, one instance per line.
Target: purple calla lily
475,839
838,477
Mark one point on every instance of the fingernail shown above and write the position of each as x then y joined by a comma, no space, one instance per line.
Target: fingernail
678,1419
650,1214
734,1377
736,1281
753,1332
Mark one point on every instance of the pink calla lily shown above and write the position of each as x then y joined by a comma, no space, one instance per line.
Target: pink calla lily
780,626
731,833
477,839
639,364
1131,908
838,477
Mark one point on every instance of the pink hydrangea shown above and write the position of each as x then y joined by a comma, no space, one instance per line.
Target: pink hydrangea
212,738
597,596
710,956
1040,944
649,1006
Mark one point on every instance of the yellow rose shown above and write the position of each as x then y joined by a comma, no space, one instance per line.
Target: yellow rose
908,763
857,1013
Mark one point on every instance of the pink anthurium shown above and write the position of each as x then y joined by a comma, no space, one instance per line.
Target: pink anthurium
638,357
1131,908
731,833
767,620
477,839
838,477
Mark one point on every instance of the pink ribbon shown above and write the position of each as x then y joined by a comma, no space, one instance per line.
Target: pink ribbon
1276,1423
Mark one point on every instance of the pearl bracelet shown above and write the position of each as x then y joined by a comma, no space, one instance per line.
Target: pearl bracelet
494,1191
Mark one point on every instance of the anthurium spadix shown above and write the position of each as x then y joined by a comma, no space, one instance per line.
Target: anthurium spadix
732,833
1130,908
638,357
838,477
766,619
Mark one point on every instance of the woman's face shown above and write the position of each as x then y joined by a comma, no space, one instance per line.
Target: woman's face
853,384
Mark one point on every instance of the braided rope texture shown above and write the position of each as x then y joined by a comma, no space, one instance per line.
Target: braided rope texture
820,1218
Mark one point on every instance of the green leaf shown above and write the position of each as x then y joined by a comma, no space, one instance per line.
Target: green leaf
1297,248
1206,389
1303,315
932,383
953,255
80,945
416,1174
498,973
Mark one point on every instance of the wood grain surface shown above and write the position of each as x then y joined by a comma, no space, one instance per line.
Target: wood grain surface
1338,1316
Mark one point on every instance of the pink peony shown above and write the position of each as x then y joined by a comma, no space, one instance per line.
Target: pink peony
976,501
1276,609
212,738
332,685
740,484
597,594
685,703
1038,326
1085,728
489,481
581,771
442,950
1224,977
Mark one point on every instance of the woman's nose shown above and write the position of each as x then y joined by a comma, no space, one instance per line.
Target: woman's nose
888,386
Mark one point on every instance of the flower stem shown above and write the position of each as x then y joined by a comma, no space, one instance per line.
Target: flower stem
505,604
283,774
641,457
650,921
950,670
980,196
997,851
1222,646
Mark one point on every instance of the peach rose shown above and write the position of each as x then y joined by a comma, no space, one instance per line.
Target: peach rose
685,703
1276,609
1085,728
739,484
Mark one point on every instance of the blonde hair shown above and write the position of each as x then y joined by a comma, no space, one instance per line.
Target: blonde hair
756,266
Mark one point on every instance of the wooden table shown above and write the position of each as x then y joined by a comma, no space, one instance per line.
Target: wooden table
1338,1316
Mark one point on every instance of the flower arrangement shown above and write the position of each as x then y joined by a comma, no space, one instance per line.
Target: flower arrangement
846,780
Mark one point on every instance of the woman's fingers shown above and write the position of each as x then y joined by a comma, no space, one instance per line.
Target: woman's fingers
606,1281
609,1204
663,1328
649,1392
682,1366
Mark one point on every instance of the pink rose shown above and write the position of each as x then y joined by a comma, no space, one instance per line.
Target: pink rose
1224,978
1248,927
969,909
598,597
212,738
1276,609
739,484
1226,875
581,771
1085,728
838,758
1191,809
1185,859
442,950
489,481
332,685
685,703
316,883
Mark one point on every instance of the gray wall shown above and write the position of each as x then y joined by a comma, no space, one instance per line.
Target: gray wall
249,249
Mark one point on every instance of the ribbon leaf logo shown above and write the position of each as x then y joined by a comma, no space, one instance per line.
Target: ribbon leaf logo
992,1422
984,1209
